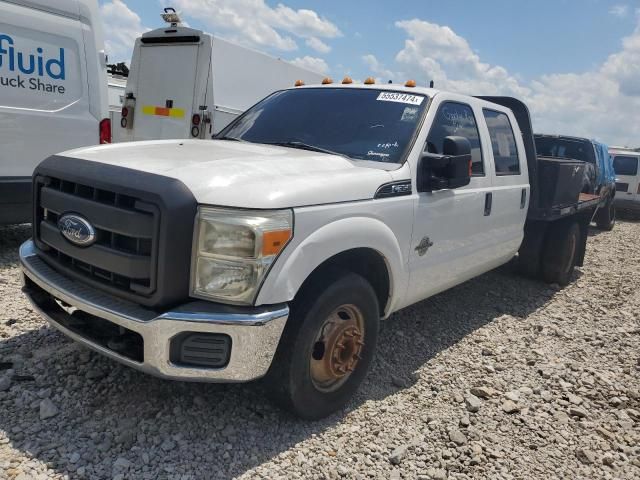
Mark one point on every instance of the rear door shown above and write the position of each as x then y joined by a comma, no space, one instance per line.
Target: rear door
166,91
627,176
510,180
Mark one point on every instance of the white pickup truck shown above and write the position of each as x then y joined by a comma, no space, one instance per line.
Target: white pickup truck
275,249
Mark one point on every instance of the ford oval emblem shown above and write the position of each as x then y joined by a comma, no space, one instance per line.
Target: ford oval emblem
77,230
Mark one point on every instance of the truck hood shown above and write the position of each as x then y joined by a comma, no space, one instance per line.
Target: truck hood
237,174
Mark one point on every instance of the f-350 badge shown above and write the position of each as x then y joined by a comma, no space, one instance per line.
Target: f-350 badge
424,245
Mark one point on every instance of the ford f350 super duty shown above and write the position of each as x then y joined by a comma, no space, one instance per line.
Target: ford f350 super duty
275,249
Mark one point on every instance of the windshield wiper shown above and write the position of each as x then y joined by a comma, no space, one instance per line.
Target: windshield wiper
306,146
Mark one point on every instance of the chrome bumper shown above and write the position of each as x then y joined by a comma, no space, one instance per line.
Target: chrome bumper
254,333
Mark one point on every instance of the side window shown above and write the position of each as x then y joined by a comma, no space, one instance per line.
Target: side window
456,119
503,143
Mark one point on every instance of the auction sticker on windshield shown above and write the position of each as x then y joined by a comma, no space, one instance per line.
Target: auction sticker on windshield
400,98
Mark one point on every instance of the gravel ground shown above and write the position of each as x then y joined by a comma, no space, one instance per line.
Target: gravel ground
501,377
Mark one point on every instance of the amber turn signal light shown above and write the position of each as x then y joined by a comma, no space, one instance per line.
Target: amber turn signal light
274,242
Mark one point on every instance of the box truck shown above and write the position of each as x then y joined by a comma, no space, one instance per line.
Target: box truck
184,83
53,90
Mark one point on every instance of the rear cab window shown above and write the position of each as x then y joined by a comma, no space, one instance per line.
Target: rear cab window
503,143
457,119
625,165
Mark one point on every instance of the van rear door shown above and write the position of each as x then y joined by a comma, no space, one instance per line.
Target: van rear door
167,91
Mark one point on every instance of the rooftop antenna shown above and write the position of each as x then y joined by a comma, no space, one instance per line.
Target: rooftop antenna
431,84
171,16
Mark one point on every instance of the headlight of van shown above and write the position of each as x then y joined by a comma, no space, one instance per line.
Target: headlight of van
233,250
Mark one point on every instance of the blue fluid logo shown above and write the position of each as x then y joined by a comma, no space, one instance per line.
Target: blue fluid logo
35,63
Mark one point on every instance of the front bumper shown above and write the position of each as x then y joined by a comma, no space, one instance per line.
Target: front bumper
254,332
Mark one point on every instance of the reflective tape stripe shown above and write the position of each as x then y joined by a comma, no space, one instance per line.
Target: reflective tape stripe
162,111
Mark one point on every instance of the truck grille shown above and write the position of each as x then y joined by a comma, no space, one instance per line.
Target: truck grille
124,255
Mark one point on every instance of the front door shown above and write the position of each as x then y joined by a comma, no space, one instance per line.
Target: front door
452,237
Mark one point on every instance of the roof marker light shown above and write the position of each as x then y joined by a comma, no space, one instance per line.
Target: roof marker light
370,81
299,83
410,83
326,81
347,80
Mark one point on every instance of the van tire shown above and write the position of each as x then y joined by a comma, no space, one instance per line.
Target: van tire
292,378
560,253
606,216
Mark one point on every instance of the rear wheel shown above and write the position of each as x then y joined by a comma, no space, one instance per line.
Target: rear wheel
327,347
560,253
606,217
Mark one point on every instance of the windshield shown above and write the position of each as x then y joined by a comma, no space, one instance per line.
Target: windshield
566,148
363,124
625,165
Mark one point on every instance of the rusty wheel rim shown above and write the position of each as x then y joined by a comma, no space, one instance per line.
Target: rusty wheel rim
337,348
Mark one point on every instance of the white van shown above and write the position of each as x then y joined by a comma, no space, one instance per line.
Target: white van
184,83
53,90
625,164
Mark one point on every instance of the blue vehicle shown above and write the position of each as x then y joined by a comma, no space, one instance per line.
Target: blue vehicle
599,178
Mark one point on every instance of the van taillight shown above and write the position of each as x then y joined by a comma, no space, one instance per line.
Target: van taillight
195,120
639,189
125,112
105,131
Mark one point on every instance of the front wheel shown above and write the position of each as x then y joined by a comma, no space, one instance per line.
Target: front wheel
327,347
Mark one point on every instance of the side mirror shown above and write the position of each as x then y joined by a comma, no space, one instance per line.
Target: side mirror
452,169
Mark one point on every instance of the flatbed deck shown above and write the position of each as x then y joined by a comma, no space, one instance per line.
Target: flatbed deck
585,202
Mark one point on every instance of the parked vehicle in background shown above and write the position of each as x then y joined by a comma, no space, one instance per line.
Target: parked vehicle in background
53,90
599,175
276,248
116,87
625,164
184,83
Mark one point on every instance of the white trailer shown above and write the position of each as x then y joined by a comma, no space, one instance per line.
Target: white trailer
184,83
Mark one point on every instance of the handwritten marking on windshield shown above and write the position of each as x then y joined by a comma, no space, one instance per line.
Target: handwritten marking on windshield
387,146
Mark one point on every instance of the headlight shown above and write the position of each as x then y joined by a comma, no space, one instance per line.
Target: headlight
233,250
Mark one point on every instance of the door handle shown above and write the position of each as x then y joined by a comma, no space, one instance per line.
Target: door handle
523,198
488,201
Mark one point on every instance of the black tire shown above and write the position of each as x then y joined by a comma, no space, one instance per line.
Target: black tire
289,381
606,217
560,253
